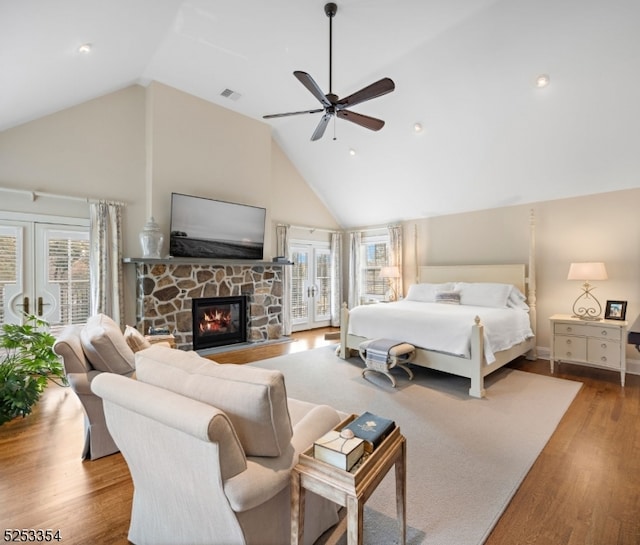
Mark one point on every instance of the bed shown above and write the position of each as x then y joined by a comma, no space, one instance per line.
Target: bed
467,340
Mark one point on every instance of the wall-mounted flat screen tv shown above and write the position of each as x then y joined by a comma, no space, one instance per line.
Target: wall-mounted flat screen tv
202,227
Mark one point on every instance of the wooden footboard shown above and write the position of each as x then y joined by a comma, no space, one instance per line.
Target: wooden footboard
475,368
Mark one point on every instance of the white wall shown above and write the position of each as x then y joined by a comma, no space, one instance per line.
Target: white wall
138,145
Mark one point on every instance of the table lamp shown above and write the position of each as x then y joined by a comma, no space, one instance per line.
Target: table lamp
586,306
390,273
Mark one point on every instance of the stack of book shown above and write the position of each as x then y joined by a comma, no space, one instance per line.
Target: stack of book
344,448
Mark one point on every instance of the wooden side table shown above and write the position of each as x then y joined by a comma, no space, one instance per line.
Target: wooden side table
351,489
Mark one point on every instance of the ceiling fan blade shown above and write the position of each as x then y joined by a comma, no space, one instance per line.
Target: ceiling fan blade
317,134
310,84
271,116
379,88
363,120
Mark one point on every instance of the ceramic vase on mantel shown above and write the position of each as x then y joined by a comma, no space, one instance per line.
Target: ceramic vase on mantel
151,239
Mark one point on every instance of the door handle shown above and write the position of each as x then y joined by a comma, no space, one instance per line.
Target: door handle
24,305
40,305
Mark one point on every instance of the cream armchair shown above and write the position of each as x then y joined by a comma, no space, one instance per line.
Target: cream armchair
87,351
210,448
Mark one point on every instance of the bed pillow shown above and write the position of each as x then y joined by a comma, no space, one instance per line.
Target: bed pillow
450,297
517,299
484,294
426,292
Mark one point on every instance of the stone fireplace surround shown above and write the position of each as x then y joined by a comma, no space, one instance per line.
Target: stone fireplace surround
165,289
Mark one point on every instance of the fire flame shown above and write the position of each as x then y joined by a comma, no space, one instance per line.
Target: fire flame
215,321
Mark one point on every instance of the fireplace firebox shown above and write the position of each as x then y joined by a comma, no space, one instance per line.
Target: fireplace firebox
219,321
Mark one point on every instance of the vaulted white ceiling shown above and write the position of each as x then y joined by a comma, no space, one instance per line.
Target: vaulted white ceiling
464,69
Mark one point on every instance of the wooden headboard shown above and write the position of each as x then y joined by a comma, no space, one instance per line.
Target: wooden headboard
505,274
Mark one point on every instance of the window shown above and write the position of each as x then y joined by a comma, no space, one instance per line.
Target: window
375,255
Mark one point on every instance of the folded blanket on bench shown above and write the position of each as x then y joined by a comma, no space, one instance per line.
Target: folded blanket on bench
378,349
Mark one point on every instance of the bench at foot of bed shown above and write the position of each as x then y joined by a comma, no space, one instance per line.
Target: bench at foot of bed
397,355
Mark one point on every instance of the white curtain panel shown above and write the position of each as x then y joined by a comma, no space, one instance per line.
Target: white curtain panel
282,249
105,234
355,243
336,278
395,257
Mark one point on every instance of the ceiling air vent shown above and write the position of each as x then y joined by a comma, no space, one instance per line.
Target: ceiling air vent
228,93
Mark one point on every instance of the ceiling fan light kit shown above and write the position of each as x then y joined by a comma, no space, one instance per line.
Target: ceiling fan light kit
332,105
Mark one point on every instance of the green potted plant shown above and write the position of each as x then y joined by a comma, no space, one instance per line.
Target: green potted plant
27,364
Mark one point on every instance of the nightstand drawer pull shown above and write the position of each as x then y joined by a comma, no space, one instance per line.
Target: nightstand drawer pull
569,329
568,341
603,358
568,354
603,345
604,332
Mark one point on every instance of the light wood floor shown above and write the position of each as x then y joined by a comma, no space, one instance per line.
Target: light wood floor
584,489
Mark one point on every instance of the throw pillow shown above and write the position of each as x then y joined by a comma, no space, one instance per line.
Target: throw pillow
135,339
425,292
449,297
104,345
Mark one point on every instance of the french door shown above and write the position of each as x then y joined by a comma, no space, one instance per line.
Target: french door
310,286
44,271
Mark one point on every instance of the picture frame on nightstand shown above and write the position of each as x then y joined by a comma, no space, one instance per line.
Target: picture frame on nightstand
615,310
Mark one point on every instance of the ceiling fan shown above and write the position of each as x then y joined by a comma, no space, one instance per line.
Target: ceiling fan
332,105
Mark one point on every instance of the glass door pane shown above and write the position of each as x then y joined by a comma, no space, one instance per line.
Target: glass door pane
63,281
11,274
322,285
299,285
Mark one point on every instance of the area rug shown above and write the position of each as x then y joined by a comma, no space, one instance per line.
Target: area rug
466,457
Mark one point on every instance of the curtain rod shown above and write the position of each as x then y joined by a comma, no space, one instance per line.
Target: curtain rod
309,228
33,195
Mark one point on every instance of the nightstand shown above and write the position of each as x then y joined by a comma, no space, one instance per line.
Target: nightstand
597,344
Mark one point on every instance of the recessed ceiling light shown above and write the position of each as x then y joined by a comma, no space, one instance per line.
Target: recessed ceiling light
417,127
352,152
542,80
84,48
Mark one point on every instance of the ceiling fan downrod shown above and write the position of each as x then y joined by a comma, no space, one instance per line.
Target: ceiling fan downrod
330,10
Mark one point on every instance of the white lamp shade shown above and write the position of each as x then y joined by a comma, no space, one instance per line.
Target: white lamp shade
389,272
587,271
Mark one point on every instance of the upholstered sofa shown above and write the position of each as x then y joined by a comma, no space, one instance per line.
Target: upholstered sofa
87,351
210,449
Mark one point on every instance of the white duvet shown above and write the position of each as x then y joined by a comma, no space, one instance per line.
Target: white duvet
441,327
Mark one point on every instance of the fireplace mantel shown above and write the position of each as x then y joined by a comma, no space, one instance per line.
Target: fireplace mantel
202,261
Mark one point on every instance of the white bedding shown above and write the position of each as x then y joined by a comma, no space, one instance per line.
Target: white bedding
441,327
